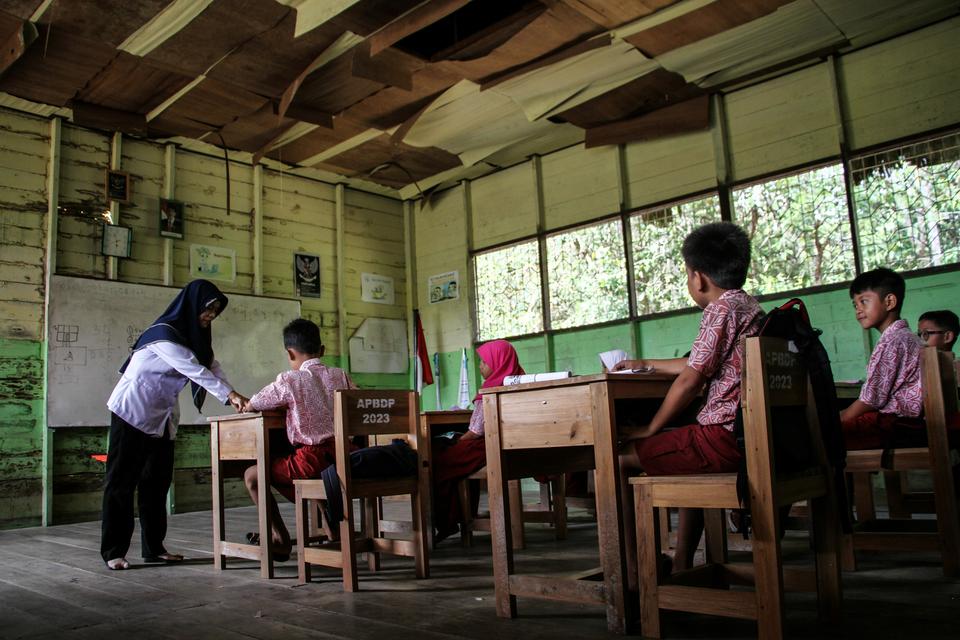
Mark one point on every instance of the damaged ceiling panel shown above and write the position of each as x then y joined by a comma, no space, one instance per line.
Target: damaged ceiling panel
415,93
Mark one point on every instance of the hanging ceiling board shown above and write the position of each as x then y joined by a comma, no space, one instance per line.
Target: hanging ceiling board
655,90
217,103
573,81
614,13
53,69
701,23
416,163
787,34
311,14
556,137
391,106
170,124
252,132
317,141
132,84
472,124
221,28
685,117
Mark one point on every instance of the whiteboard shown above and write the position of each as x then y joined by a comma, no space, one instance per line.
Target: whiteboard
379,345
93,323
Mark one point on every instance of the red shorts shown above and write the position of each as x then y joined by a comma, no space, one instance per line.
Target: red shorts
306,462
689,450
875,430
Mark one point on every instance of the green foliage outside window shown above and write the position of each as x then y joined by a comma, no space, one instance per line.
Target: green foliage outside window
907,203
508,291
587,272
799,230
656,238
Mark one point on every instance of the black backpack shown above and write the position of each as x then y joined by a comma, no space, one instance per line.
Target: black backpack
790,321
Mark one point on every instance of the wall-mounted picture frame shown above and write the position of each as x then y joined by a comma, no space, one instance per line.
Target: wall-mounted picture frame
116,241
117,186
306,275
171,218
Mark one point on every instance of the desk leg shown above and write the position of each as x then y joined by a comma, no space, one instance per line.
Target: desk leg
216,482
609,501
263,507
500,529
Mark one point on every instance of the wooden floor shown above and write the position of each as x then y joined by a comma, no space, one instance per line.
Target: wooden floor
54,585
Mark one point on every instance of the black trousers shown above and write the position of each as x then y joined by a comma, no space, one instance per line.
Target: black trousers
141,463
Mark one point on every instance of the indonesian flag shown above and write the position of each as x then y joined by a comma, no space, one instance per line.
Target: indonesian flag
422,363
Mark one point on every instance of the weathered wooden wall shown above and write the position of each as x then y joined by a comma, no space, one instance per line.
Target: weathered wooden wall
902,87
299,215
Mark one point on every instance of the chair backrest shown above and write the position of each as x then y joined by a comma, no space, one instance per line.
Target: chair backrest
372,412
781,428
939,382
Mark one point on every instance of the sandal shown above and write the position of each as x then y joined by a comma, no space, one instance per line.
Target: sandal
163,557
253,537
118,564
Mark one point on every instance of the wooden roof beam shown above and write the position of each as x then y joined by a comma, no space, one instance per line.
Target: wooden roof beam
93,115
684,117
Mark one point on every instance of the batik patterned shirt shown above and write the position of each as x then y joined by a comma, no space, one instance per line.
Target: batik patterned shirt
717,353
893,373
308,395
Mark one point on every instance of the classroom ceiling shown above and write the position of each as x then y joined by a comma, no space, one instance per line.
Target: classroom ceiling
411,94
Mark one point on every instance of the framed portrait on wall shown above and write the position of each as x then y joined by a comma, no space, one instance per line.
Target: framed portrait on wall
306,275
117,186
171,218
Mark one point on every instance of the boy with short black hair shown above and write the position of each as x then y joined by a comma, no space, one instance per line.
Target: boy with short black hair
940,329
307,392
891,399
717,257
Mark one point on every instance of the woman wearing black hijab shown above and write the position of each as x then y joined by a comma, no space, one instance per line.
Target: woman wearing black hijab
144,415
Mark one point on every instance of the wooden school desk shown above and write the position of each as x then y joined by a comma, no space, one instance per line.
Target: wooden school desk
243,436
553,427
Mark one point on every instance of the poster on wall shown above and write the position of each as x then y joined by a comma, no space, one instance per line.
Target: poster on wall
213,263
444,286
306,275
376,288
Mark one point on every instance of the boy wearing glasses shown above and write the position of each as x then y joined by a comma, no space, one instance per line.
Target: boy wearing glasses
940,329
887,413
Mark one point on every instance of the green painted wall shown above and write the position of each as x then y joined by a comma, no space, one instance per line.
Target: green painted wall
21,399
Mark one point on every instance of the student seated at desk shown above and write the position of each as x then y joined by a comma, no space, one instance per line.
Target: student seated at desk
498,359
940,329
891,399
307,392
717,257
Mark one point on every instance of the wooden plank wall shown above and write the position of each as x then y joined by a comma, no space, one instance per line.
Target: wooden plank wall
902,87
298,216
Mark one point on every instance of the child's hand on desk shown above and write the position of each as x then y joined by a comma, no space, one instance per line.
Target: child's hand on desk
238,401
632,364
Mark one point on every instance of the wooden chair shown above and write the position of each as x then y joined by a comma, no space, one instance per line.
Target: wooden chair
939,405
775,394
367,413
551,509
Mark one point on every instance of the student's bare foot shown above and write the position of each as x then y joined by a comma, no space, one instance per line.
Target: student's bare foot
118,564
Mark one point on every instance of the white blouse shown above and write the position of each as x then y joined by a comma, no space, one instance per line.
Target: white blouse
146,394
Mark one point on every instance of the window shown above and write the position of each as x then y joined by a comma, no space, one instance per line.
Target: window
587,275
508,291
656,238
799,229
907,203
